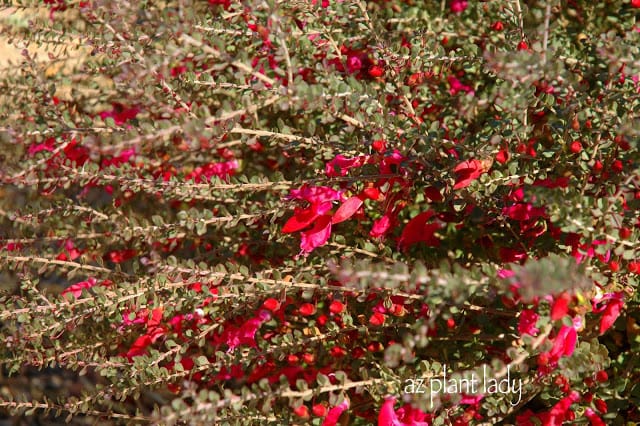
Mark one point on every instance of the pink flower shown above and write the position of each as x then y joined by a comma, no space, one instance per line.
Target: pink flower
468,171
564,343
527,322
315,194
393,159
471,399
324,3
381,226
234,336
70,251
523,211
506,273
455,86
561,409
611,309
222,170
594,419
321,200
340,165
347,209
124,157
47,145
354,64
155,330
120,113
334,414
404,416
76,289
317,236
458,6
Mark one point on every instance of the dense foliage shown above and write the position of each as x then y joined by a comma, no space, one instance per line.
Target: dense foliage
309,212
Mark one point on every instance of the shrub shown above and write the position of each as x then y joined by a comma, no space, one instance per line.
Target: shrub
321,212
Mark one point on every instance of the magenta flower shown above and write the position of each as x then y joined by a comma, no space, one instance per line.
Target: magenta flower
527,322
320,199
458,6
404,416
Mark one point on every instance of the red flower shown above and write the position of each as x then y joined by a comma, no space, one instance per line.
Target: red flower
601,405
508,255
124,157
320,199
139,347
317,236
379,145
377,319
376,71
324,3
624,233
594,419
563,345
611,310
470,170
222,170
336,307
47,145
525,419
71,250
340,165
575,147
346,210
523,211
502,156
302,218
76,289
371,193
527,322
561,182
271,304
561,409
319,410
381,226
602,376
354,63
301,411
154,331
120,256
337,352
404,416
76,153
120,113
560,306
234,336
418,230
307,309
433,194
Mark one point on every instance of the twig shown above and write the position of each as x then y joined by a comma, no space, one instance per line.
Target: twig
545,36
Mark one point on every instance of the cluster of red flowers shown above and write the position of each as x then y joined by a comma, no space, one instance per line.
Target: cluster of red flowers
448,217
